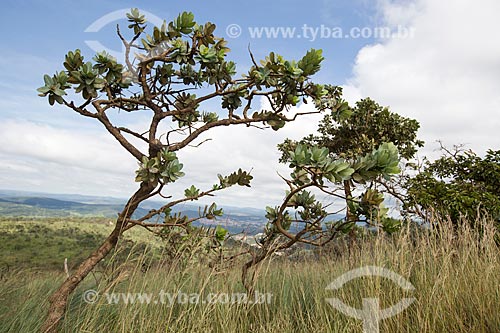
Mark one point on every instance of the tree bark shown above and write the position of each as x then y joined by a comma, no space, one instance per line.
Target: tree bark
350,216
348,196
59,299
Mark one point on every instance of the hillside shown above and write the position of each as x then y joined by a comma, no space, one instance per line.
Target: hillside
45,243
36,204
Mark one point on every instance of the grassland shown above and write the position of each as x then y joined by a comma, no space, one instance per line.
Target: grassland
44,243
455,274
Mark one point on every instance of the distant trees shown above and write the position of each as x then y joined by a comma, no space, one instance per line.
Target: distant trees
352,133
460,184
174,72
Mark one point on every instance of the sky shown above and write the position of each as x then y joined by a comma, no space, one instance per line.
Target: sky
443,69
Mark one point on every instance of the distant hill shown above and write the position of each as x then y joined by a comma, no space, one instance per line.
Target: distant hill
46,203
48,207
38,204
89,199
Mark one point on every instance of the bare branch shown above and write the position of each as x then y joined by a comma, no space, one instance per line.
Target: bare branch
199,144
80,110
137,135
116,132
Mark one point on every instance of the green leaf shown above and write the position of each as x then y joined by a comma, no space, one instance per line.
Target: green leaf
184,23
191,192
311,62
220,234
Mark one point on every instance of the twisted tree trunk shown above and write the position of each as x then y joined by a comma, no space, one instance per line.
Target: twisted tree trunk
59,299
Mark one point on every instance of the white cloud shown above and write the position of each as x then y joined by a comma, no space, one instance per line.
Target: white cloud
446,76
33,174
40,157
86,150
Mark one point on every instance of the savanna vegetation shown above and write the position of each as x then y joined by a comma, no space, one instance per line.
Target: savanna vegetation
444,239
453,268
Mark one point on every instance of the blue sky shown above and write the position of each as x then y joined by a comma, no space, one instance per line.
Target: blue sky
444,76
49,29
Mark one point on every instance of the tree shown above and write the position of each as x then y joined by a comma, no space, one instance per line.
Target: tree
456,185
301,212
351,132
171,65
360,146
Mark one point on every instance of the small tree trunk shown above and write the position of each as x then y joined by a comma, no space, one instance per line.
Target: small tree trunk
348,197
350,216
59,300
248,277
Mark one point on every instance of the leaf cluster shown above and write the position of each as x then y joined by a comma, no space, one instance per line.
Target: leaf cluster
457,185
164,167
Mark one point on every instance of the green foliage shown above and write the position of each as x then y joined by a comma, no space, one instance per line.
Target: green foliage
311,167
209,117
328,97
170,62
185,52
220,234
232,101
212,212
184,23
458,184
240,177
370,205
109,68
44,243
54,87
357,147
311,62
272,215
208,55
383,161
73,60
186,103
137,21
88,80
163,167
352,132
301,199
272,119
192,192
391,225
290,76
317,159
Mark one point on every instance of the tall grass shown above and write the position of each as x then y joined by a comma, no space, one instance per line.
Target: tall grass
455,272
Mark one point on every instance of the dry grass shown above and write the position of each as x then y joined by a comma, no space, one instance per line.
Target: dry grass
456,275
